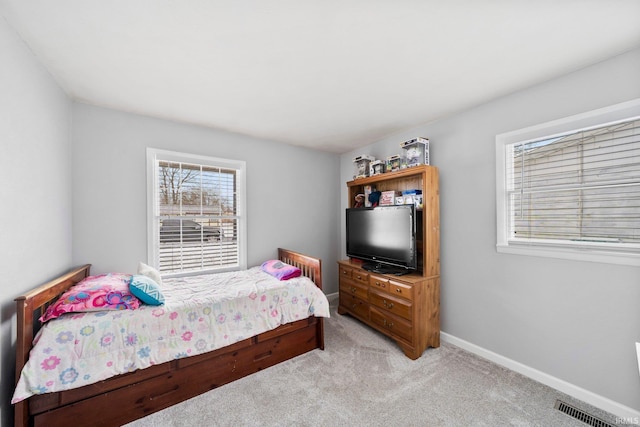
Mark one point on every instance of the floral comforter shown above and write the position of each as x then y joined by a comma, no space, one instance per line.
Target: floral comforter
200,314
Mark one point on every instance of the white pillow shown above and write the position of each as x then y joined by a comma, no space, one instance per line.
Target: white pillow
150,272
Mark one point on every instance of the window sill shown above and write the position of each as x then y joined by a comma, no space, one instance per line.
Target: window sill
575,254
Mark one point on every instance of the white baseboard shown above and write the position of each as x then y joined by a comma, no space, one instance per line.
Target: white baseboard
572,390
332,297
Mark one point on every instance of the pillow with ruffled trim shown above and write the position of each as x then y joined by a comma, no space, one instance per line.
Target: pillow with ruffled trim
150,272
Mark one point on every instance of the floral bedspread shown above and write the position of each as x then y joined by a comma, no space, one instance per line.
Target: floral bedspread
200,314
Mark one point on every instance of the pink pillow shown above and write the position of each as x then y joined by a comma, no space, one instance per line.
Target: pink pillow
280,270
95,293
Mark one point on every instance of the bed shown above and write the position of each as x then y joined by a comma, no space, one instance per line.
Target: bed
129,396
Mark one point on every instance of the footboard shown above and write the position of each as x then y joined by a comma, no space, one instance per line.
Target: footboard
145,391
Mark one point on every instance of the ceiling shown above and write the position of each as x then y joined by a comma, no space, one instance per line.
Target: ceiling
333,75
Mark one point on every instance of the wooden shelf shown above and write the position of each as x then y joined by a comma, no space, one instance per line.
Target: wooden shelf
423,178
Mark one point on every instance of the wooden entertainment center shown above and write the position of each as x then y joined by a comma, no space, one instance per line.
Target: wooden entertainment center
405,308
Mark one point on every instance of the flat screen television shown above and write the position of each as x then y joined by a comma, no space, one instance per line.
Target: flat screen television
383,237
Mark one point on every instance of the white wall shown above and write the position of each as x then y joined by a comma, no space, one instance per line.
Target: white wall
35,189
574,321
291,191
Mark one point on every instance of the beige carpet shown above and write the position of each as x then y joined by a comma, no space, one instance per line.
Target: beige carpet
363,379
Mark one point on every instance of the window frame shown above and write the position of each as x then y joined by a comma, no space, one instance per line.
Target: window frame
583,251
153,155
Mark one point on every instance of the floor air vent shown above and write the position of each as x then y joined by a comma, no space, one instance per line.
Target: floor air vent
580,415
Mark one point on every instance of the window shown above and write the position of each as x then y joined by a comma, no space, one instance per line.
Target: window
196,213
571,188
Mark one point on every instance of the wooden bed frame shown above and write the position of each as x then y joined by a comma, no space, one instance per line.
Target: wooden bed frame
131,396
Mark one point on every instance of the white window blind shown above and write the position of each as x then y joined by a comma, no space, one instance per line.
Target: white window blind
583,187
196,221
574,193
570,188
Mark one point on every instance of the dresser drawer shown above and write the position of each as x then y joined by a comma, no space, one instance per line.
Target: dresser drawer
345,272
393,324
391,286
394,305
378,282
351,287
360,276
355,305
400,290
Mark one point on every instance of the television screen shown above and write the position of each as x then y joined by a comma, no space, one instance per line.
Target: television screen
384,237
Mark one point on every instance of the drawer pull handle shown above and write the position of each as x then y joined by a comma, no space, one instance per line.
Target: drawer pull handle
259,357
354,306
398,290
389,305
156,396
353,290
359,277
387,324
380,284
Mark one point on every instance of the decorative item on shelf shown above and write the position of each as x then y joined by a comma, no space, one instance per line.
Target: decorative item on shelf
399,200
413,197
394,163
362,166
416,151
368,189
374,198
376,167
418,201
359,201
388,198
